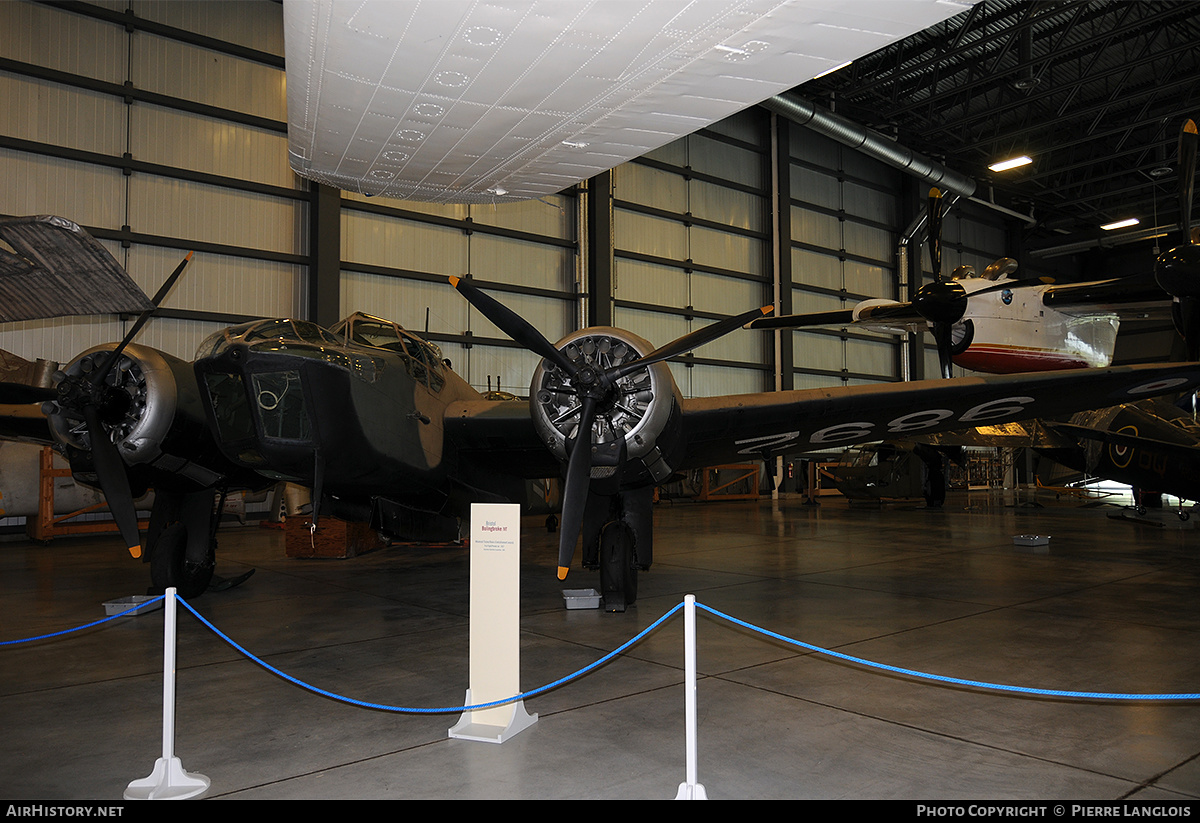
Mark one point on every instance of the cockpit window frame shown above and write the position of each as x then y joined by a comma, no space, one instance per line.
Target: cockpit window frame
421,359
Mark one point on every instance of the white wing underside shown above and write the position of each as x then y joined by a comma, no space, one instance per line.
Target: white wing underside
464,101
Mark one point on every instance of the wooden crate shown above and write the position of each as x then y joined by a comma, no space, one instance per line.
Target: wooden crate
333,538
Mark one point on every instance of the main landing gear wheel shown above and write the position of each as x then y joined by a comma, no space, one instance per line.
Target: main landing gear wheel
618,574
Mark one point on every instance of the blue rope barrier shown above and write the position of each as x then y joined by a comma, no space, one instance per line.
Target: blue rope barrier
446,709
957,681
85,626
943,679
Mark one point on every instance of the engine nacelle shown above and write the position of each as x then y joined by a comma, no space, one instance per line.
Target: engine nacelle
643,407
151,409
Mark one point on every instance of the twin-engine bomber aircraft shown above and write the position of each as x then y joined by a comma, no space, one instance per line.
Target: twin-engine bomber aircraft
382,428
372,418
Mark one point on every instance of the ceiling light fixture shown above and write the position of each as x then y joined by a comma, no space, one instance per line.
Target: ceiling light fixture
1121,224
1015,162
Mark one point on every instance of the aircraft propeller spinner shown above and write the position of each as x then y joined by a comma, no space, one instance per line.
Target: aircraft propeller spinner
593,386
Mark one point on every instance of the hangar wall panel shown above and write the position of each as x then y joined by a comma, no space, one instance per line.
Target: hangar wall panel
59,339
203,76
843,220
379,240
642,282
553,216
75,140
218,283
186,140
48,37
649,186
692,245
87,194
656,236
46,112
522,263
253,25
397,256
210,214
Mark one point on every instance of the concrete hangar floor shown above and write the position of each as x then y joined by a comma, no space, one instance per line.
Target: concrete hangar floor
1111,607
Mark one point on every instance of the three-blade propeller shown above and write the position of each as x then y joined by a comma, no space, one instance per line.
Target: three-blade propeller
92,397
593,386
943,302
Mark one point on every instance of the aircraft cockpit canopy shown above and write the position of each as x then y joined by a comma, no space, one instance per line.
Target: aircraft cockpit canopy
269,334
1004,267
997,270
422,359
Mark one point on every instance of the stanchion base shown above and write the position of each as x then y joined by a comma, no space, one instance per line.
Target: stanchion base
518,721
168,781
691,791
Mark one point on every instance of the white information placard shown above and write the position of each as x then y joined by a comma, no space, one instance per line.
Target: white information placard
495,625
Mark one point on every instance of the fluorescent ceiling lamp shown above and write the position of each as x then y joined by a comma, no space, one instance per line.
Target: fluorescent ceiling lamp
1121,224
1005,165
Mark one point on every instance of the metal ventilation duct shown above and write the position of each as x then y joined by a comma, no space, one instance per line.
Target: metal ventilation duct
871,143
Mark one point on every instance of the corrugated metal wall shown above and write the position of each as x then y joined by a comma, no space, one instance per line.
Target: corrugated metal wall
397,255
844,219
692,245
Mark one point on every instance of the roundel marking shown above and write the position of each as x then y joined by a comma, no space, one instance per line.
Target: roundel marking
1120,455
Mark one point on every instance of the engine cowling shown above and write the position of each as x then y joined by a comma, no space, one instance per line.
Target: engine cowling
150,407
642,407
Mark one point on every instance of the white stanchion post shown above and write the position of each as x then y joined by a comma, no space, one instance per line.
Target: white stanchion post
168,780
690,789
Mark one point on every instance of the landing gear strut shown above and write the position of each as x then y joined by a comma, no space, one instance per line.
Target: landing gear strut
617,541
618,574
182,544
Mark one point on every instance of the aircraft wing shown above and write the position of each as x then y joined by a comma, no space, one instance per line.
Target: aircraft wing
875,315
1137,296
26,423
721,429
59,270
1035,434
460,101
1119,438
